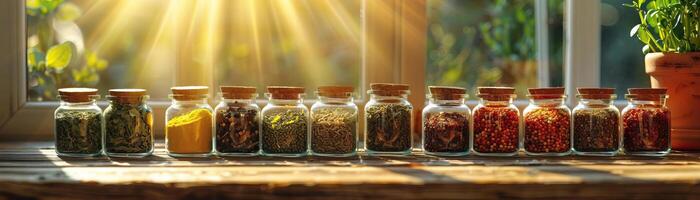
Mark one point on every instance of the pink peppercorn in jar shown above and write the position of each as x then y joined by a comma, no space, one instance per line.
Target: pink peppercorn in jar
547,123
496,123
646,122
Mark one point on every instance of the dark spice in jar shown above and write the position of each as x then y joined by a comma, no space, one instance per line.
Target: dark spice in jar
285,132
547,130
78,132
388,127
446,132
646,129
128,128
333,131
237,129
596,130
496,130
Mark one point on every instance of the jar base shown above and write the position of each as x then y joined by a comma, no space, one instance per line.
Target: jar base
604,154
285,155
548,153
496,154
128,155
334,155
78,155
388,153
648,153
237,154
189,155
447,154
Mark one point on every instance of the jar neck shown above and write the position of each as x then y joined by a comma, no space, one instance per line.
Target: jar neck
87,103
596,102
335,100
555,102
285,101
189,102
645,102
496,103
238,100
380,98
444,102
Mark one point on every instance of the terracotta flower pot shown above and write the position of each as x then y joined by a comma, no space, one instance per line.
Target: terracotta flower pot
680,73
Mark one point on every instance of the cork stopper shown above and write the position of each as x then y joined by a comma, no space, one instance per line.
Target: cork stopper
596,93
546,93
447,93
77,95
335,91
389,89
185,93
285,92
496,93
647,94
238,92
127,95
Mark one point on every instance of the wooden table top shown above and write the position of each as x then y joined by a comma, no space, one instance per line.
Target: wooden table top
32,170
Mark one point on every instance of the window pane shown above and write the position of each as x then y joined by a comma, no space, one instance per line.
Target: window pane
491,43
113,44
622,60
301,43
141,44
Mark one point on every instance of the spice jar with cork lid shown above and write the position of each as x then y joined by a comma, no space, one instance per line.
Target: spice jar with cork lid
547,123
334,122
237,122
646,122
128,123
189,122
496,122
388,121
596,123
285,123
78,127
446,122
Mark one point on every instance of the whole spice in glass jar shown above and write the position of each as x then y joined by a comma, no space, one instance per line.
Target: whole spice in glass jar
189,123
646,122
237,122
446,122
547,123
596,123
388,117
496,122
334,122
128,124
78,123
285,119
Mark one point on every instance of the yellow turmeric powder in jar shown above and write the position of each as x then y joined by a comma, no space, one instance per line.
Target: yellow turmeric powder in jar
190,133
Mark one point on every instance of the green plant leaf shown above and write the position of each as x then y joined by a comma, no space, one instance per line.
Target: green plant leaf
634,30
68,12
59,56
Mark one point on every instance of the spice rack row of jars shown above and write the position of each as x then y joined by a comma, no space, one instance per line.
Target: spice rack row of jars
286,127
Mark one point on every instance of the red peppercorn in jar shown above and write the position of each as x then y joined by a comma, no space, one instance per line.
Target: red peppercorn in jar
646,122
496,122
547,123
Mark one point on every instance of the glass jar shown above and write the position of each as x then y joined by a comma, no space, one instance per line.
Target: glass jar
188,123
285,120
496,122
128,123
388,121
446,122
78,123
596,123
547,123
334,122
237,122
646,123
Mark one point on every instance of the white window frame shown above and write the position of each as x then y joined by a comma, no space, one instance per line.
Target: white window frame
23,120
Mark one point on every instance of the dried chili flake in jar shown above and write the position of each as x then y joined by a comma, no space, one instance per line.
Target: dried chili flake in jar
496,122
596,123
547,123
646,122
446,122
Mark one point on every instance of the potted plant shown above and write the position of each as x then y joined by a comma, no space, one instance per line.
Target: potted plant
670,30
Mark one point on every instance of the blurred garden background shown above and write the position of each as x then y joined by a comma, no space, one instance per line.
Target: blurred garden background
117,44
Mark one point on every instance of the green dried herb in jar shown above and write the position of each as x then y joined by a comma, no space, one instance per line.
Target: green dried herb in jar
285,127
128,124
334,122
78,123
388,117
596,123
